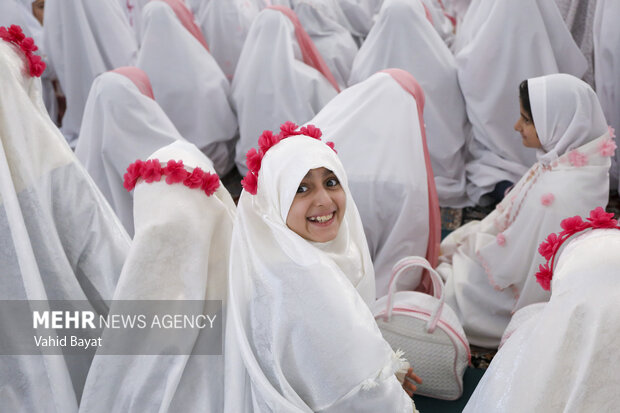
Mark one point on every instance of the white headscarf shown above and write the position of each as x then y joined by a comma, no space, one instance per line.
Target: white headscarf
566,113
180,252
498,254
300,337
569,350
500,44
607,67
188,84
322,19
120,125
60,239
272,84
403,38
360,14
84,39
378,137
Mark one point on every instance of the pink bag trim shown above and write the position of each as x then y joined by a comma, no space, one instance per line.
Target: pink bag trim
138,77
186,17
309,52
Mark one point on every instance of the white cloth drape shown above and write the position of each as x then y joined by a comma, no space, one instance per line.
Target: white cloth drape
179,252
300,338
489,265
120,125
271,84
59,238
84,39
568,350
188,84
403,38
500,44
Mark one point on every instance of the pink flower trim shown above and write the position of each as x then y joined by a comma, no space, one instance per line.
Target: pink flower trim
254,157
607,147
577,158
549,248
501,239
175,173
15,35
547,199
612,132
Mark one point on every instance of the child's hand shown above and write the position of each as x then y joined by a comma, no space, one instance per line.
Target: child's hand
409,384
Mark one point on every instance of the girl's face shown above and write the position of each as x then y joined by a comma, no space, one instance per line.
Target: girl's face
38,8
525,126
318,207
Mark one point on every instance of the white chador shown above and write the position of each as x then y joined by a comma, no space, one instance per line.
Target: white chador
323,20
84,39
121,124
607,67
188,84
60,239
272,84
179,252
300,338
489,265
500,44
403,38
360,14
378,135
563,359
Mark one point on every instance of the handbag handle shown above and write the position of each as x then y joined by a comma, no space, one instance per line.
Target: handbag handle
398,269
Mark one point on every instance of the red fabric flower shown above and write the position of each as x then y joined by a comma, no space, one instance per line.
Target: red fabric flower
152,171
311,131
577,158
253,160
544,276
27,45
194,180
250,183
287,129
134,171
210,183
175,172
601,219
331,145
607,147
549,246
16,33
37,66
572,225
267,140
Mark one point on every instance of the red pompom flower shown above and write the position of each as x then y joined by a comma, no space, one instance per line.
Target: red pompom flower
194,180
544,276
134,171
250,183
549,246
15,35
311,131
210,183
288,128
175,172
601,219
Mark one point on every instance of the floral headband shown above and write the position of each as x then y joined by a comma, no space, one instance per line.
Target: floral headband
254,158
549,248
152,171
15,35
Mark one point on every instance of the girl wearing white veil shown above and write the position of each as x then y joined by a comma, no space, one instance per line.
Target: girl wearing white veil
60,239
187,82
280,76
488,264
122,123
403,38
179,252
300,338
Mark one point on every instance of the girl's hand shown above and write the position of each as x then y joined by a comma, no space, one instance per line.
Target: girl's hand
410,382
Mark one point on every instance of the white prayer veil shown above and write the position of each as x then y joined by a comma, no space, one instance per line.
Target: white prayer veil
300,338
360,14
498,254
607,68
499,44
59,239
188,84
323,19
564,357
120,125
271,84
84,39
379,139
179,252
403,38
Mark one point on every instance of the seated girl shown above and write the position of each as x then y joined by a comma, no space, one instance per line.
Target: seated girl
489,265
300,336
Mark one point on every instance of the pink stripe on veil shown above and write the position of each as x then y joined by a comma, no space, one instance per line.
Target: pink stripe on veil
408,82
186,17
309,52
138,77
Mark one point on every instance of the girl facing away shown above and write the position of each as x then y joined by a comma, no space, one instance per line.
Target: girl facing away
300,336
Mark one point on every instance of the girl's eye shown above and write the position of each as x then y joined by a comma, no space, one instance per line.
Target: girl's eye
332,182
301,189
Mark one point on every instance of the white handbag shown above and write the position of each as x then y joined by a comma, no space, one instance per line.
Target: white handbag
427,331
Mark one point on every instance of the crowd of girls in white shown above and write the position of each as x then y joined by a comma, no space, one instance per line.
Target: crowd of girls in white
350,123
